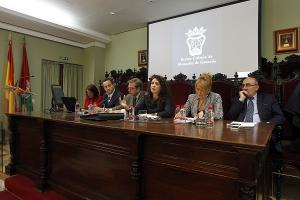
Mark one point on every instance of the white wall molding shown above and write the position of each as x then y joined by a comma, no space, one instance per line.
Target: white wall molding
49,37
94,44
76,30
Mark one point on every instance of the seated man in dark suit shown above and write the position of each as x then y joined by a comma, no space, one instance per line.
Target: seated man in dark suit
112,95
265,106
253,107
135,97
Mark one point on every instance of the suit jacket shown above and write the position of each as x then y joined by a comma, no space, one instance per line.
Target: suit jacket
114,101
214,99
152,107
267,106
139,103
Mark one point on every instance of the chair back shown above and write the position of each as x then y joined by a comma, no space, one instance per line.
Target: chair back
180,90
224,88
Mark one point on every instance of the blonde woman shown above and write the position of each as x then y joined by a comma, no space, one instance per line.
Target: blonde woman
199,102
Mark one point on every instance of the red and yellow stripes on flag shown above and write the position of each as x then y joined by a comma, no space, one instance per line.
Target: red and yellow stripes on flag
9,102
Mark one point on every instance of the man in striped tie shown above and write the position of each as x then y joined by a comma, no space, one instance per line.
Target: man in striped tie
255,107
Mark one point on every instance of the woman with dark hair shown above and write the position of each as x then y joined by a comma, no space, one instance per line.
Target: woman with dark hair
92,97
157,101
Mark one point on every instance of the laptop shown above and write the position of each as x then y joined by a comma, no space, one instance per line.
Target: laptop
69,103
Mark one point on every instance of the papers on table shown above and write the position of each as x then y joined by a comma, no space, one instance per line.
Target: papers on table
151,116
184,121
235,124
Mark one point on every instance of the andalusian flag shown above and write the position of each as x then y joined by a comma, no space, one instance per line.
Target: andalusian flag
25,100
9,101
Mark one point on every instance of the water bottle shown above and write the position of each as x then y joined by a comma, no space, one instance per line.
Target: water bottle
90,108
77,107
177,112
131,113
210,116
124,111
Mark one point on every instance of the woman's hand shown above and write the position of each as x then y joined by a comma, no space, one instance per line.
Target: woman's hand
98,109
201,114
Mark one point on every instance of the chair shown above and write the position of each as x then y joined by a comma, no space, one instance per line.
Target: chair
267,86
288,87
226,89
289,93
101,89
123,87
180,90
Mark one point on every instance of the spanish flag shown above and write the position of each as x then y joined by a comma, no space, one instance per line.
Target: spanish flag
9,102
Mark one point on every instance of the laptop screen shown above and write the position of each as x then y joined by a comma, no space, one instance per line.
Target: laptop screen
69,102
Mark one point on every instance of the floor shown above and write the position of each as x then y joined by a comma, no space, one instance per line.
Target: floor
290,189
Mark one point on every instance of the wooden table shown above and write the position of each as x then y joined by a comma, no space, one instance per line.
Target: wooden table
125,160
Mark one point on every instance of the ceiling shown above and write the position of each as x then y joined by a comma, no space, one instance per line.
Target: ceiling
88,21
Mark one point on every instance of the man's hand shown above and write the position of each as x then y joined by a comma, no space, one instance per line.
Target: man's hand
243,95
123,103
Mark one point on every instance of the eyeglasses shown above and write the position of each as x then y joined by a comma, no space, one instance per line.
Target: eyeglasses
131,88
247,85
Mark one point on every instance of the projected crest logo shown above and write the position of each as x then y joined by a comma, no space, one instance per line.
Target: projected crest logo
196,40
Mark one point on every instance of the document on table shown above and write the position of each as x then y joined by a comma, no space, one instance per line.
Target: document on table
235,124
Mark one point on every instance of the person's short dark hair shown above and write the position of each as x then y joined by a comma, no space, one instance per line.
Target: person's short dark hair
93,89
253,77
164,89
111,80
138,83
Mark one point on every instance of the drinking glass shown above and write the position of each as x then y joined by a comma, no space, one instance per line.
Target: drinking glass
142,115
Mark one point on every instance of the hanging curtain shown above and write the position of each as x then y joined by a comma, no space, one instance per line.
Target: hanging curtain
72,81
50,74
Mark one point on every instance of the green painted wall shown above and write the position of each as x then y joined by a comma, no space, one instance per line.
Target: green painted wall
121,52
94,66
91,58
38,49
276,15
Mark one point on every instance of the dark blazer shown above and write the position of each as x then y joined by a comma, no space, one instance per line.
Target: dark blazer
152,107
114,101
267,106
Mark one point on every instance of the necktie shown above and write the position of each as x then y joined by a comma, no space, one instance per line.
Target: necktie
133,101
250,110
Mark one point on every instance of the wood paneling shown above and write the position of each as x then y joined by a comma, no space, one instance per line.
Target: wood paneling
125,160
